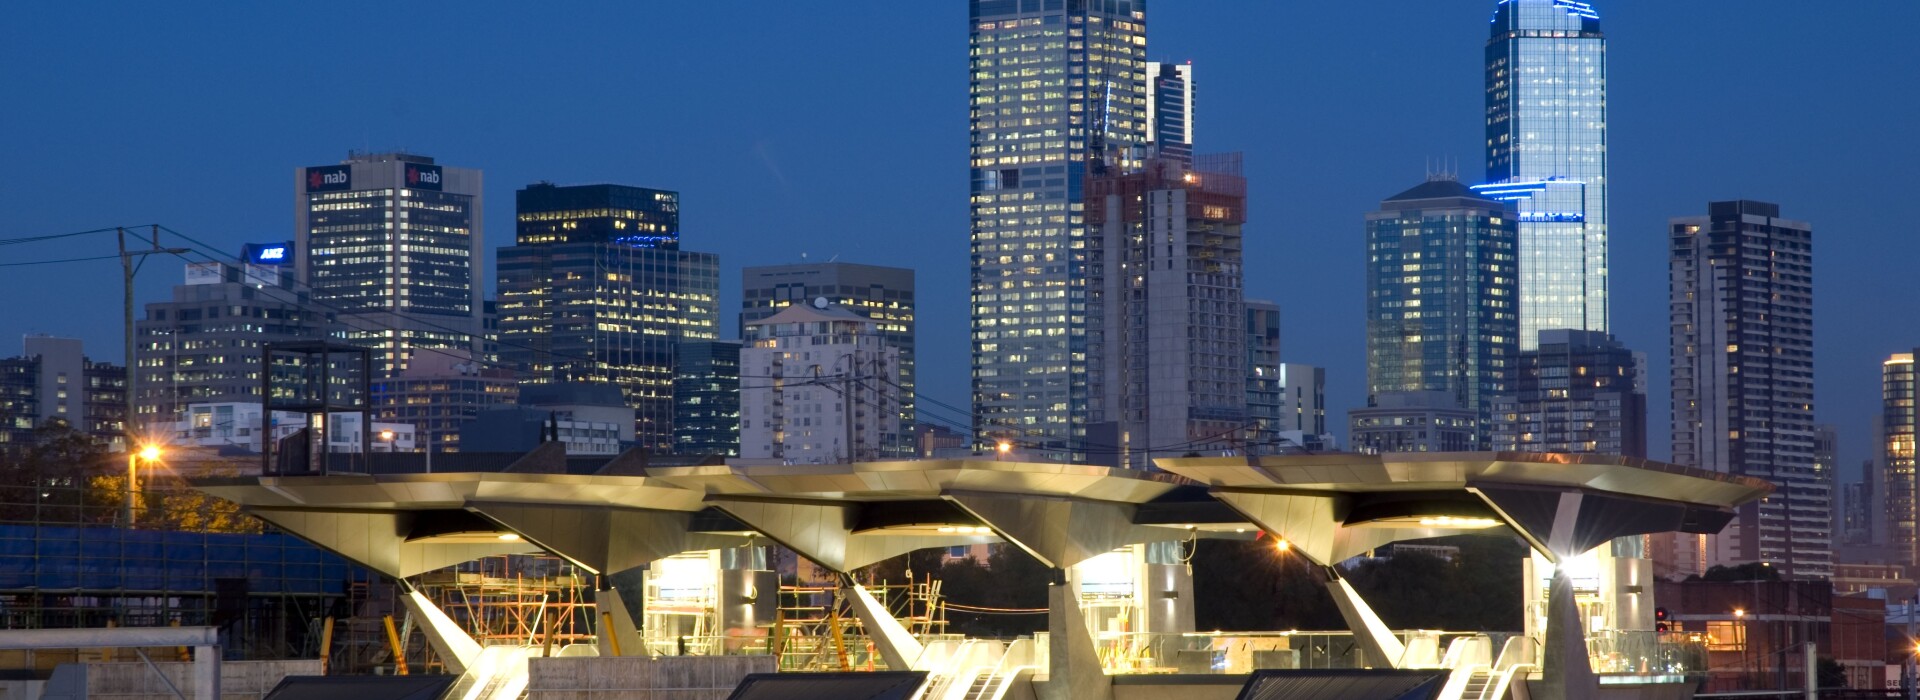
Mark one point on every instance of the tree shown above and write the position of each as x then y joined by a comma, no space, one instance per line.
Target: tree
46,481
1750,571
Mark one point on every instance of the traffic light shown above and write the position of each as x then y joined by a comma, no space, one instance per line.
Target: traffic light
1659,619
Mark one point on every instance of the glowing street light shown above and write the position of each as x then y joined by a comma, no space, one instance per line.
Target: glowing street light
1739,612
1282,546
150,453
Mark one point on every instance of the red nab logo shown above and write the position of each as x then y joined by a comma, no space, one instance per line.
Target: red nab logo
423,177
329,178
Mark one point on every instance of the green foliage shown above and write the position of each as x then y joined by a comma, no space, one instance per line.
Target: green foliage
1832,674
1751,571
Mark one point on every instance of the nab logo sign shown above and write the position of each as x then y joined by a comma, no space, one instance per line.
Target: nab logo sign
330,178
423,177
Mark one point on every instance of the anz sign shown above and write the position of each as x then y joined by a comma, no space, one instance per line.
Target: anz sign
270,253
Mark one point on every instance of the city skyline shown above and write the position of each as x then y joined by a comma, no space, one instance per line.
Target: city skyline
1290,173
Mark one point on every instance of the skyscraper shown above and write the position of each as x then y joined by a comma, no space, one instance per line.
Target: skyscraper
1054,87
1264,382
884,294
1547,152
392,242
1579,392
706,398
1170,111
1440,296
1167,334
1897,428
1742,347
596,289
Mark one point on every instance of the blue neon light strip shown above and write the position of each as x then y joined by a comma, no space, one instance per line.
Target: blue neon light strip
1577,9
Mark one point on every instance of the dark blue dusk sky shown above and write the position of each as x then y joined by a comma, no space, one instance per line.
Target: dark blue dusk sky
840,129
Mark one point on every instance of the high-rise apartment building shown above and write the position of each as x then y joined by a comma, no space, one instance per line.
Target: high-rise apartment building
811,389
203,344
596,289
1547,152
1441,296
706,396
1167,324
1263,372
1578,392
1742,348
1303,409
1896,459
884,294
1170,111
53,381
1055,86
391,243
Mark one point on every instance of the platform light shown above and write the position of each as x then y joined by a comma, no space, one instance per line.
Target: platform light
509,537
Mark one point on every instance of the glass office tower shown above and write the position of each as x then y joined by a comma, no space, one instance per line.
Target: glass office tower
596,289
1053,84
1547,153
1440,288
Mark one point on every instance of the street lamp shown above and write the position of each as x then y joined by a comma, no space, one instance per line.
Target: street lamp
386,436
151,453
1003,449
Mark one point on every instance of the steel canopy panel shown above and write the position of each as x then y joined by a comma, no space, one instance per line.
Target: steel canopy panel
1344,684
361,687
875,685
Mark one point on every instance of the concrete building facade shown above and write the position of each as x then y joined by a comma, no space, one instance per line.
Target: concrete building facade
1167,334
884,294
1412,421
810,389
203,344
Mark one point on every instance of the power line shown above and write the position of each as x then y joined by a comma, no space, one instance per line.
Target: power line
63,260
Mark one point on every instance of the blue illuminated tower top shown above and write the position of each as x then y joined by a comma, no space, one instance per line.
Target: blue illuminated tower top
1547,123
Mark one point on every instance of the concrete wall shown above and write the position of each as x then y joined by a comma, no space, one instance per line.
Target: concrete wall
640,678
239,680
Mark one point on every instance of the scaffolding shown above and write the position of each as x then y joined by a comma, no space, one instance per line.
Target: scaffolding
816,629
516,600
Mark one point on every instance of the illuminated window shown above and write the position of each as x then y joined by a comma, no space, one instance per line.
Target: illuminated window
1726,636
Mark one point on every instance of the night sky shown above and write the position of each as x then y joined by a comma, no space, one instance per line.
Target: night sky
839,129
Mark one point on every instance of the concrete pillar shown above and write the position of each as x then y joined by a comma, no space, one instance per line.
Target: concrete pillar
616,623
1566,673
896,646
206,672
1074,671
1383,650
455,648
